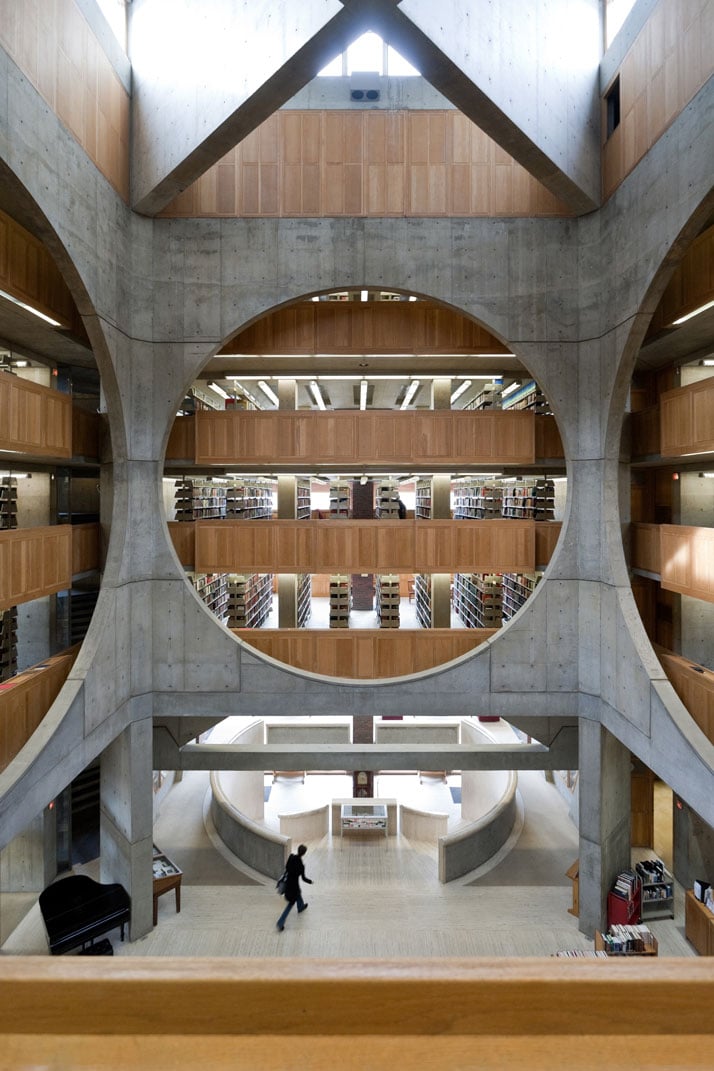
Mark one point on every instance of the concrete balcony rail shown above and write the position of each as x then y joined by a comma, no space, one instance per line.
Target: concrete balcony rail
476,843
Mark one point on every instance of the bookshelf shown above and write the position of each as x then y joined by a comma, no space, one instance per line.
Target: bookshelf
422,506
387,600
516,588
249,501
303,510
422,599
340,499
528,396
624,901
8,502
474,500
304,599
387,500
8,643
212,589
478,599
339,601
199,500
626,940
657,889
529,500
249,599
488,398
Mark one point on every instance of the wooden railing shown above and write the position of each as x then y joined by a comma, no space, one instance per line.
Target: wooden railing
142,1014
686,556
645,432
694,684
687,419
645,547
366,654
26,698
86,433
34,562
34,419
86,547
302,439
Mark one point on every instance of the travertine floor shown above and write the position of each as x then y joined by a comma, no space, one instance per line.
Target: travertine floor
370,898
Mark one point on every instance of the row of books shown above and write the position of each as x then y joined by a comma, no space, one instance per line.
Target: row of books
632,938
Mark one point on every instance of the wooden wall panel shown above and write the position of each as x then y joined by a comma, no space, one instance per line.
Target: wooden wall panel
695,687
26,698
645,547
56,50
687,560
669,61
372,546
347,327
28,272
183,537
368,163
645,431
366,654
687,419
86,433
34,419
34,562
421,437
548,443
86,547
547,534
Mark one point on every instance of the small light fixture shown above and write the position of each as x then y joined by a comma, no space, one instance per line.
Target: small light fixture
363,394
268,392
460,390
510,389
363,295
219,390
695,312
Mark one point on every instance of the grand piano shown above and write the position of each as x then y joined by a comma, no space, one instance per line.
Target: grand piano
76,910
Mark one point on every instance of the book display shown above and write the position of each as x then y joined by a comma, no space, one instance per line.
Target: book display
516,588
657,889
624,901
249,501
488,398
339,601
340,499
249,599
387,601
478,599
199,500
8,502
212,588
304,599
626,940
475,500
422,599
363,818
387,500
423,499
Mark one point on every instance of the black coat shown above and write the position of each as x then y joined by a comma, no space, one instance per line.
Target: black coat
295,870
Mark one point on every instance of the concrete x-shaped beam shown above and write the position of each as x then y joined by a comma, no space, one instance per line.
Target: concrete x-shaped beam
206,75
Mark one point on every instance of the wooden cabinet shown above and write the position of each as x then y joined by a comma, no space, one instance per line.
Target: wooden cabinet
698,925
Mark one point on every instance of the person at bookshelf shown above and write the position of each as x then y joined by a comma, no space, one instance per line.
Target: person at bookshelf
401,509
295,870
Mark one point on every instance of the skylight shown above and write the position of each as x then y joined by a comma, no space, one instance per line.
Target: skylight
369,53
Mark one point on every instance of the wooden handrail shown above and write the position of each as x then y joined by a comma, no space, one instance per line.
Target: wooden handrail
26,698
694,684
142,1013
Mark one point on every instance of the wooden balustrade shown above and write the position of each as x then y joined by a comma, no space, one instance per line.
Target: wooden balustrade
86,547
372,546
694,685
365,654
34,562
645,432
26,698
645,547
183,537
687,419
142,1013
687,560
34,419
86,433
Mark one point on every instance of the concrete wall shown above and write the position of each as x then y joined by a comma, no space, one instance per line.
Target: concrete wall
404,732
473,845
480,789
245,788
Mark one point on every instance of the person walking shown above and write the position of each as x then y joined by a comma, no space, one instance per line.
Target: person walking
295,869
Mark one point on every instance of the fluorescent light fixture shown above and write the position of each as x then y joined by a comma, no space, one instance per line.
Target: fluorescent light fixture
708,362
29,308
707,475
268,392
334,379
683,319
460,390
315,391
315,298
363,295
20,364
363,394
411,391
412,297
246,378
219,390
510,389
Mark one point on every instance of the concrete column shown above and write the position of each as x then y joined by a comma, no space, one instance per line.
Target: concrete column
604,795
126,820
28,863
441,394
287,600
441,496
287,498
287,394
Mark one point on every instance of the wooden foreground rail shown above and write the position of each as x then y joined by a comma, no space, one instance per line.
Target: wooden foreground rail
152,1014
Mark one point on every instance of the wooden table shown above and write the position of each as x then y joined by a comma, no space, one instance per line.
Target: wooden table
166,876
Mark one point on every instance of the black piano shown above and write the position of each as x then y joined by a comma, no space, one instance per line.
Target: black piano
76,910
